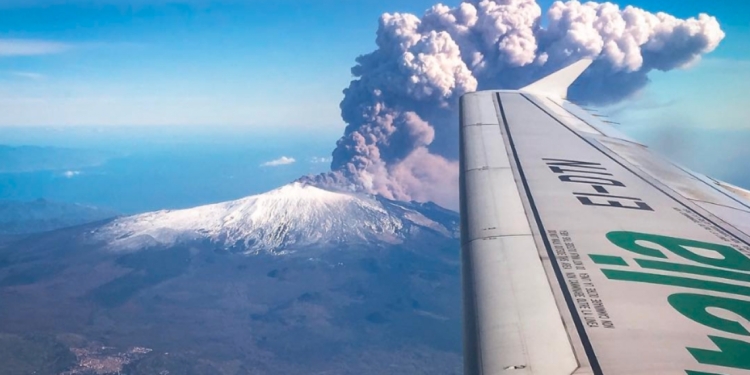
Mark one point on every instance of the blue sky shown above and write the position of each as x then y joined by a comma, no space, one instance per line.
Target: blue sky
262,64
150,81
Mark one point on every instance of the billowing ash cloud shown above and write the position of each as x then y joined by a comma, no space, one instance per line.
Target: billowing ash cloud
401,136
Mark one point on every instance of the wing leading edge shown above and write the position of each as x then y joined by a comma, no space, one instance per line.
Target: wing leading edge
585,253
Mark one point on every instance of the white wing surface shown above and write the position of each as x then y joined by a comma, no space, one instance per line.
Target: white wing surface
585,253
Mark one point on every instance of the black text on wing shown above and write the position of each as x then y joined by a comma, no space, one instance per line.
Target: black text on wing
607,191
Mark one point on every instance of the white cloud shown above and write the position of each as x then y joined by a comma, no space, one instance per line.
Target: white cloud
322,159
284,160
71,174
31,47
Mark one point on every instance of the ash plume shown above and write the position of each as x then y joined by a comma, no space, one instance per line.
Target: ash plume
401,138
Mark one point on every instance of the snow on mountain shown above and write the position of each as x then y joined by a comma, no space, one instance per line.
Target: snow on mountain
292,216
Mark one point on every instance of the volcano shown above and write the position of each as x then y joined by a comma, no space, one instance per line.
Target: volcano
289,218
297,280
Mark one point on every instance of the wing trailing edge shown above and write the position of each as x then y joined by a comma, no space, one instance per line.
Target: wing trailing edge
557,83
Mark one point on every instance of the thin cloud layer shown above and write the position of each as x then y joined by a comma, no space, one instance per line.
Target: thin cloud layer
320,159
401,139
284,160
27,47
28,75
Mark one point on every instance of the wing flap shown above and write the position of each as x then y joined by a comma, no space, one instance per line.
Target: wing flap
511,318
738,219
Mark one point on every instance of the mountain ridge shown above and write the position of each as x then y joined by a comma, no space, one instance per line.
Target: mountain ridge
283,220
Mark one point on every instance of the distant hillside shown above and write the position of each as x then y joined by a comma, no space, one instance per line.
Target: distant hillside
34,158
42,215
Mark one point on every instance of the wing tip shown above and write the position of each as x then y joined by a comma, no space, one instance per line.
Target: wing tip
558,82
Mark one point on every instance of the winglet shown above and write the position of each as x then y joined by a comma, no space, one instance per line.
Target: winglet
557,83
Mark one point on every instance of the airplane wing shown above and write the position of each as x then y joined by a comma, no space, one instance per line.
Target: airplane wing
583,252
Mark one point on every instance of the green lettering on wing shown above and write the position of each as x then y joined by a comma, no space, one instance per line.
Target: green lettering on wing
722,264
730,258
643,277
695,270
694,306
732,353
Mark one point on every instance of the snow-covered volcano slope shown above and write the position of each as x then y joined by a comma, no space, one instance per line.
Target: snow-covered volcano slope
293,216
